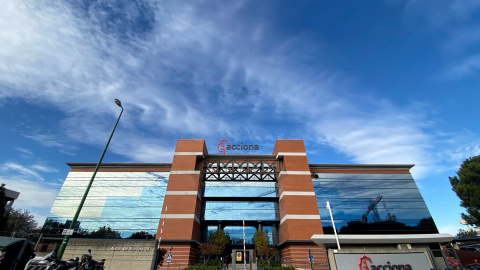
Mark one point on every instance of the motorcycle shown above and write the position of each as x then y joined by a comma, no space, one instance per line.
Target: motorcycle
88,263
41,263
51,262
57,264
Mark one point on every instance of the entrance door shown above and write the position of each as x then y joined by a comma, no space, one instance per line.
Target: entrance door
241,260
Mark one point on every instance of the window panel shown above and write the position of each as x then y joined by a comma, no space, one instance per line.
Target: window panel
128,202
401,207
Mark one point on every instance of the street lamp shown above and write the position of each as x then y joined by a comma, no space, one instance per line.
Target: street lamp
333,223
74,220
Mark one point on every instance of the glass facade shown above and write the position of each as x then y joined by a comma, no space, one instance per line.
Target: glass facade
127,202
231,202
236,233
130,202
372,204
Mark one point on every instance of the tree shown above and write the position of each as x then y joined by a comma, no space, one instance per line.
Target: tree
141,235
217,241
206,251
270,252
220,240
52,226
260,239
466,234
263,247
466,185
236,240
21,222
3,212
105,233
160,256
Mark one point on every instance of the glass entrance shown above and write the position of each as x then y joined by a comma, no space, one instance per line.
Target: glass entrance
243,260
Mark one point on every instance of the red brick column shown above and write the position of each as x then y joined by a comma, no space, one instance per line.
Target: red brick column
299,217
182,222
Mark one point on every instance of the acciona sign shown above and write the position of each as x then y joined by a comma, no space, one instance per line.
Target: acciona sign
385,261
224,145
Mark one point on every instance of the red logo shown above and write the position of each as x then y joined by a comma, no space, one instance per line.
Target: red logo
363,262
221,146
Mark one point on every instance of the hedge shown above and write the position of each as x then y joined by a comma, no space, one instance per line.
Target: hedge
200,267
279,268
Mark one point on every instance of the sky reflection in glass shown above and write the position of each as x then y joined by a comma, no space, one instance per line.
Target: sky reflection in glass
351,195
128,202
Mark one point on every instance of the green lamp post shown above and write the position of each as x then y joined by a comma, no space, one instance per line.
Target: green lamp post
79,209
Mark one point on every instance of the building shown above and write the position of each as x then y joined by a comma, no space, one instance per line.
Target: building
10,197
376,209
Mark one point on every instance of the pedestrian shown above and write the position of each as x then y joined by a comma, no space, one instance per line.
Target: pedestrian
225,262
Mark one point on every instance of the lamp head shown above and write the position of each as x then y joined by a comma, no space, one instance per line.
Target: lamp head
117,101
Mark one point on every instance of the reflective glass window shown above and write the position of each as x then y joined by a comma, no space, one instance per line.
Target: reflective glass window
127,202
235,210
239,189
357,207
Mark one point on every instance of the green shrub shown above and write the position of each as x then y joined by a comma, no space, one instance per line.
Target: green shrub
200,267
214,262
264,263
261,263
279,268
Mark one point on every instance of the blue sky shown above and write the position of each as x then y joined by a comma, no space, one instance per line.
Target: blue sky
361,82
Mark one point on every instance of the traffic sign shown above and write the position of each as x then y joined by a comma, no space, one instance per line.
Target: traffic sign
310,258
169,258
67,232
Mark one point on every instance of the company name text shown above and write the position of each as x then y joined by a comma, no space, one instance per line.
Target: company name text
242,146
389,266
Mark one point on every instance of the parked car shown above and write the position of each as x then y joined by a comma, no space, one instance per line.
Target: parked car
472,266
469,249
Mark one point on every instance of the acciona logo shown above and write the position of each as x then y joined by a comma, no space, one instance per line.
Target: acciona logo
224,145
364,261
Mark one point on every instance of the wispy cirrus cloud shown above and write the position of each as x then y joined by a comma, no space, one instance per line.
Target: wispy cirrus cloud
45,140
36,194
25,152
33,170
454,23
22,170
203,70
37,197
43,168
182,74
469,66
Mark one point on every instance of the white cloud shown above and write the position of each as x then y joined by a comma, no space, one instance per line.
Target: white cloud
379,139
45,140
466,67
55,55
43,168
33,171
197,71
192,76
461,39
455,24
188,75
146,150
36,197
460,151
451,229
25,152
443,14
18,168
